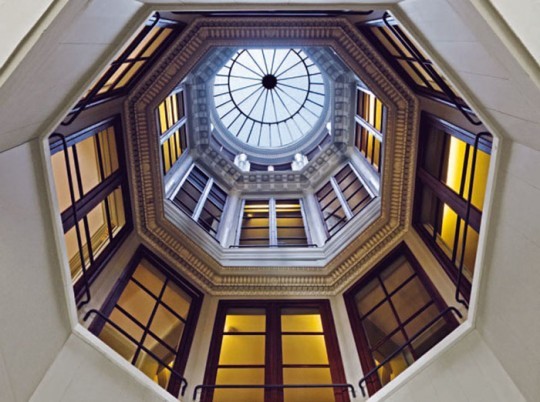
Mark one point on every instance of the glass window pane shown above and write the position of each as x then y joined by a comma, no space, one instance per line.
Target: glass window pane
127,324
239,376
379,323
88,163
154,369
178,300
432,335
115,340
245,320
397,273
167,327
150,277
308,376
137,302
242,349
369,296
116,210
255,224
409,299
301,320
290,224
304,349
72,249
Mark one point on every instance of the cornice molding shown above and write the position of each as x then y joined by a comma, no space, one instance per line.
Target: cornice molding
145,173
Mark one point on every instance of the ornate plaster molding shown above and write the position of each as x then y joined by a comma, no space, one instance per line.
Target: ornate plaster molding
399,156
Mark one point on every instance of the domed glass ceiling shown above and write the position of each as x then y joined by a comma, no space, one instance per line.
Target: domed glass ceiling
269,98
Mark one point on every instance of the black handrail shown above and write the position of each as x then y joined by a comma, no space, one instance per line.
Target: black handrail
183,381
270,386
432,73
409,341
75,217
108,74
467,217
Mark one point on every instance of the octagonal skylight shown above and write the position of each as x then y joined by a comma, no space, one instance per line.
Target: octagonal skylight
269,98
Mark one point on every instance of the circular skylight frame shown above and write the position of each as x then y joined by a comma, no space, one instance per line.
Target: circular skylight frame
307,120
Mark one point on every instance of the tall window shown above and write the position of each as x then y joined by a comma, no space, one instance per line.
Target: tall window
395,305
202,199
274,342
443,185
150,318
343,197
272,223
370,125
92,193
411,63
171,120
149,43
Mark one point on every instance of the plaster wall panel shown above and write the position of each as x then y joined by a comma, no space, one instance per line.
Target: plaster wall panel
468,371
82,373
26,13
6,393
509,303
33,312
83,36
523,20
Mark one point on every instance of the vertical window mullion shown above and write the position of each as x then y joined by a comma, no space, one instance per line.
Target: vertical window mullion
341,198
272,222
202,200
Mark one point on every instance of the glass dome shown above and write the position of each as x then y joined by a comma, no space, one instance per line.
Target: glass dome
269,98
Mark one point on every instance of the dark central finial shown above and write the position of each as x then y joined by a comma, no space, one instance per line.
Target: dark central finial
269,81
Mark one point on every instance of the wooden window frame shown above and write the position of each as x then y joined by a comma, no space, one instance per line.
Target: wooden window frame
444,193
273,238
143,253
96,195
361,123
209,186
362,344
273,352
344,202
180,125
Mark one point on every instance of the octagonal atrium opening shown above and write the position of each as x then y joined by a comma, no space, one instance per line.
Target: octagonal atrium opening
311,156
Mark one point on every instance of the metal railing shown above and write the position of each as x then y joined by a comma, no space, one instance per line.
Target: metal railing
467,217
183,381
402,347
431,71
75,214
271,386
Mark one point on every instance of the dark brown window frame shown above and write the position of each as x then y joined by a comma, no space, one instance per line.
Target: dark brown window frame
444,193
95,196
215,195
362,345
273,353
362,124
180,125
191,322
